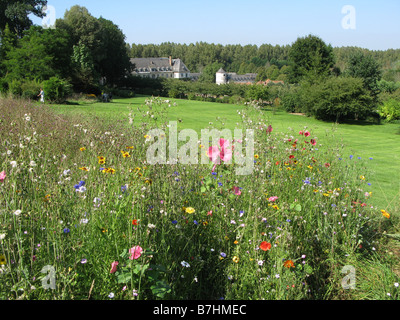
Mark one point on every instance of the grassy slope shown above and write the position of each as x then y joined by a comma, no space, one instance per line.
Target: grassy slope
380,142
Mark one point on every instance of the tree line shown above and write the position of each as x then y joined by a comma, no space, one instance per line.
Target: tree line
267,60
87,54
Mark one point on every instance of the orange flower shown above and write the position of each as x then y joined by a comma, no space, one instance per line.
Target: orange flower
265,246
288,264
134,222
385,214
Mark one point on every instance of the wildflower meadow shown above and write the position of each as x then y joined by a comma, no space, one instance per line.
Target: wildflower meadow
85,214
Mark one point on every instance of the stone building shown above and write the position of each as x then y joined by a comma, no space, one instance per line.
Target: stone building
223,77
160,67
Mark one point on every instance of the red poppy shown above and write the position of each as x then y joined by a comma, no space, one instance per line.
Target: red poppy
291,156
265,246
134,222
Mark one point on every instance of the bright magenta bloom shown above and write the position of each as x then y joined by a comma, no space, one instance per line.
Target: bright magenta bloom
237,191
2,176
114,266
222,151
135,252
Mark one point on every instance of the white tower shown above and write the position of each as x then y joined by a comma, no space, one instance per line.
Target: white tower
221,77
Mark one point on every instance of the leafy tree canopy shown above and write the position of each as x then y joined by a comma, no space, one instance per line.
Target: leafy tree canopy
15,14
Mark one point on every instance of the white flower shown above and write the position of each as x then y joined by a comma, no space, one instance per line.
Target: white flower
2,236
13,164
396,284
84,221
81,189
17,212
185,264
32,163
111,295
151,226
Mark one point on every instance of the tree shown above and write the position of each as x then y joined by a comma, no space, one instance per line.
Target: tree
16,14
209,72
113,62
312,59
99,48
361,65
39,54
336,98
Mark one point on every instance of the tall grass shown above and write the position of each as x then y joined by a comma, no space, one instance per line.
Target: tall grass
79,197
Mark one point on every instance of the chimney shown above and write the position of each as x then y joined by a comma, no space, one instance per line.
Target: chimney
170,61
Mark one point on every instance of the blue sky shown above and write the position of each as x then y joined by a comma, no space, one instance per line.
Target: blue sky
376,25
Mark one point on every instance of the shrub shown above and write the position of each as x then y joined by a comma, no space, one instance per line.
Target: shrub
390,110
337,99
30,89
15,87
56,90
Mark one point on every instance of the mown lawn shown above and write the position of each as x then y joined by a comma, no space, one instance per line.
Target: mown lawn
378,143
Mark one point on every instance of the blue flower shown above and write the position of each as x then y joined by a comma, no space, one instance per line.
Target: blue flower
66,230
80,184
223,254
174,222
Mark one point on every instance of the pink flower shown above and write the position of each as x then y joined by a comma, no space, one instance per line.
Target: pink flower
301,132
313,142
2,176
269,129
222,152
306,134
236,191
135,252
114,266
272,199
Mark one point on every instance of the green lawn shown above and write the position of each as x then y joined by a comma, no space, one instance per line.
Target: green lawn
379,142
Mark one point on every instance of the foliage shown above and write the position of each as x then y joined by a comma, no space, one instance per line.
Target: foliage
15,14
390,109
336,98
56,90
364,66
311,57
99,49
40,54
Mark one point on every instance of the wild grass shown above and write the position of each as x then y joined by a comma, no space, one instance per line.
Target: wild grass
79,197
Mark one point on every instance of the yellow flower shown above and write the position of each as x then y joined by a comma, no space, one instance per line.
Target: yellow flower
84,169
109,170
256,156
190,210
3,260
275,207
362,177
129,147
235,242
82,149
126,155
235,259
385,214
